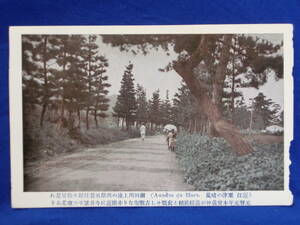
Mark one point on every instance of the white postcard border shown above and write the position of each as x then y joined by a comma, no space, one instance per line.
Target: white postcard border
21,199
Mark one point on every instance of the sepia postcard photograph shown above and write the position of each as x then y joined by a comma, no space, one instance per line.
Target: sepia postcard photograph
114,116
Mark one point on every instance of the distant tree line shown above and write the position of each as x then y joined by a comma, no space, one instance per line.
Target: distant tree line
132,108
65,74
258,114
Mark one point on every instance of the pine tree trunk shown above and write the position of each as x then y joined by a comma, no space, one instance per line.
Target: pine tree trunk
62,113
203,129
122,123
224,128
95,118
79,118
70,120
89,87
232,92
45,85
127,124
43,114
190,126
87,119
45,88
210,106
211,131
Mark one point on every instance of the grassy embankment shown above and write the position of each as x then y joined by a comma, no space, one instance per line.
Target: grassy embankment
50,141
210,164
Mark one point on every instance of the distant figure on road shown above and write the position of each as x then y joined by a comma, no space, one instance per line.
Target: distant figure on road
143,131
171,139
170,131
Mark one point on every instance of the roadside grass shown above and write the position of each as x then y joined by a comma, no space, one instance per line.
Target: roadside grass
49,141
209,164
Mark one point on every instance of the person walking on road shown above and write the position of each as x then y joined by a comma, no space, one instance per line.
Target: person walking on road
171,139
143,131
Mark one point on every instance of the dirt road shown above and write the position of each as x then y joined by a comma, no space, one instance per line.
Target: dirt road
131,165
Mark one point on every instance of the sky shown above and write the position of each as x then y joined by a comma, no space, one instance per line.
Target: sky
272,89
146,72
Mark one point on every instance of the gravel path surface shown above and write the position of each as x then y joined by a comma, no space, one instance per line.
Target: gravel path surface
130,165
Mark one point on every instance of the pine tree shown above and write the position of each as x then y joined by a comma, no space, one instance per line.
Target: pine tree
90,56
31,86
38,52
66,73
154,110
232,81
281,118
61,74
75,87
141,113
186,111
166,111
264,111
100,101
242,114
231,94
126,104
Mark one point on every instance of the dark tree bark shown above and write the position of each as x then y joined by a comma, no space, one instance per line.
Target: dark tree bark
87,118
209,105
70,120
218,83
232,97
89,88
45,90
43,114
62,113
128,123
195,126
79,118
122,123
95,118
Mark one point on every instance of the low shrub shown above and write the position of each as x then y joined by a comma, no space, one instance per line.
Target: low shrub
48,141
209,164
